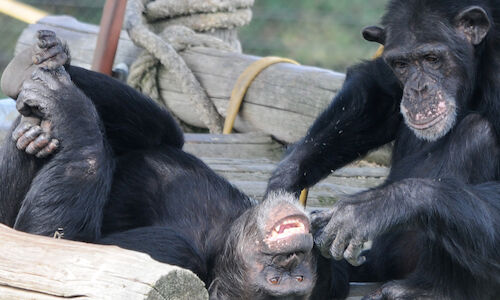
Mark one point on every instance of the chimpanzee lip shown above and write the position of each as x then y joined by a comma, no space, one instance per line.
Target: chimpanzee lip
289,226
428,124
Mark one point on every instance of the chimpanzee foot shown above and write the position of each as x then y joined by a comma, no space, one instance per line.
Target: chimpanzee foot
33,136
38,104
50,52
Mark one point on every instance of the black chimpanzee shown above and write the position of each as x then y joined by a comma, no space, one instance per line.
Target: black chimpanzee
100,162
436,92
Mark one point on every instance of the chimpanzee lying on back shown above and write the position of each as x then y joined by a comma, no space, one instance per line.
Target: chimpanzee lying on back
104,163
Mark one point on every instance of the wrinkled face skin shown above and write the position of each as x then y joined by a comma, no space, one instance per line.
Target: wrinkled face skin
268,254
434,61
432,81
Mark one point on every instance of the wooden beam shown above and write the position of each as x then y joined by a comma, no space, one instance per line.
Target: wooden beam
36,267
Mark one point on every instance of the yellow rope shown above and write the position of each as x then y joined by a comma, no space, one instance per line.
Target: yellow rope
21,11
379,52
243,83
240,88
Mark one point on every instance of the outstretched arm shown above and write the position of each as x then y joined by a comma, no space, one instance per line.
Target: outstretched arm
462,219
364,115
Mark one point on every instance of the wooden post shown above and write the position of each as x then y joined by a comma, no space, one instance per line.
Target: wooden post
109,33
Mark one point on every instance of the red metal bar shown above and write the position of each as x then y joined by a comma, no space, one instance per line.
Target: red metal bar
109,34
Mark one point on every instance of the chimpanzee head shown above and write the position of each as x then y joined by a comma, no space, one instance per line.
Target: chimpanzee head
433,47
268,254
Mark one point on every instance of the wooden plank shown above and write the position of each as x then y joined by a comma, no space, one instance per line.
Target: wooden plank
235,138
35,267
251,176
283,100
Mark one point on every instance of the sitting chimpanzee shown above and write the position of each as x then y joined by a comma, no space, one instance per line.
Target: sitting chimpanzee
436,92
100,162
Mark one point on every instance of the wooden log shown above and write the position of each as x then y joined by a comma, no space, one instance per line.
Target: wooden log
35,267
283,100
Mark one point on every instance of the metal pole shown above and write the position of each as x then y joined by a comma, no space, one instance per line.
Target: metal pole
109,34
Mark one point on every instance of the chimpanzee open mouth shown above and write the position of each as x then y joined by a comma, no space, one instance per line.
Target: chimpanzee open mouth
289,226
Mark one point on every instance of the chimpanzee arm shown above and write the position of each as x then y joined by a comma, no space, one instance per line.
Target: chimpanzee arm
364,115
70,190
132,120
462,219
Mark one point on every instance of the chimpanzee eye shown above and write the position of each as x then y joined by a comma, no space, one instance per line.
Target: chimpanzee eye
274,280
400,65
433,59
299,278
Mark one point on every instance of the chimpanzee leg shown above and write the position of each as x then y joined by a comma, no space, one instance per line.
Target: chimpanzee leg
68,193
17,170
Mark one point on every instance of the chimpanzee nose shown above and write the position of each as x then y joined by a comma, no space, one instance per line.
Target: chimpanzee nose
419,87
289,261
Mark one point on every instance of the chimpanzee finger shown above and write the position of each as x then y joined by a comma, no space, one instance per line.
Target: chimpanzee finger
353,251
49,149
319,218
38,144
25,124
41,56
28,137
339,246
40,34
325,239
56,61
48,41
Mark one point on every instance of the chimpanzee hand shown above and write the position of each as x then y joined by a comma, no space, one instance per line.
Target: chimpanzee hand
342,231
285,177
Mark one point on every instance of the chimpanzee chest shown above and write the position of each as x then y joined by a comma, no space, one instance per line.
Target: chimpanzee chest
469,153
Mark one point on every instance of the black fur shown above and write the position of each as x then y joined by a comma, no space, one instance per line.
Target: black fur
436,220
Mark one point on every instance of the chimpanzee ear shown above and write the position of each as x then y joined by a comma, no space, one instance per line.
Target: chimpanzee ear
474,23
374,34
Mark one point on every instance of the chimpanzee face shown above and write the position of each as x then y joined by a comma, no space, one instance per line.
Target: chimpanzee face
435,63
432,81
279,257
268,254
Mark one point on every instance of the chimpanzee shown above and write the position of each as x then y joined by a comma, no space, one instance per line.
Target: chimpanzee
435,92
96,161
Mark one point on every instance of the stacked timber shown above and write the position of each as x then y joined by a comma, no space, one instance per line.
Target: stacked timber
283,101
